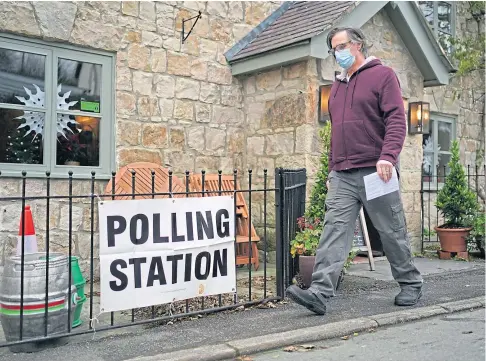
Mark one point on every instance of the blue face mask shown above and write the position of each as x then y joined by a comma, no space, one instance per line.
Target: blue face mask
345,59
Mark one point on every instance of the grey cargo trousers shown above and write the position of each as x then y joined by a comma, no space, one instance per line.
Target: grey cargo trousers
345,195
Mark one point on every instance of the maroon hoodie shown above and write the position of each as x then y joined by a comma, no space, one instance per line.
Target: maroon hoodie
368,118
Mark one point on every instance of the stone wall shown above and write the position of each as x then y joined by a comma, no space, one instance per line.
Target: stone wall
176,103
279,107
464,98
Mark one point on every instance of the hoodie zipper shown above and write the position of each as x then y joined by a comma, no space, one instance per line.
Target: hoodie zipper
344,109
342,128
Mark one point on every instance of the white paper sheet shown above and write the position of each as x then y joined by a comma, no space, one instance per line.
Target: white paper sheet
375,187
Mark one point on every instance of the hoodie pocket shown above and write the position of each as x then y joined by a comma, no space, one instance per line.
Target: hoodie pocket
359,143
338,142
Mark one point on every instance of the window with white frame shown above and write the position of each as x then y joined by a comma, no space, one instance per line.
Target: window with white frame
56,109
437,149
441,17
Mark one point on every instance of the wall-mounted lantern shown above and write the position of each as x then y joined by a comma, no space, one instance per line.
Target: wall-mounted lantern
418,118
324,93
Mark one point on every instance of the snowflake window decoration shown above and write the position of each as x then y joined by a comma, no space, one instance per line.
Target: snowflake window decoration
428,161
36,120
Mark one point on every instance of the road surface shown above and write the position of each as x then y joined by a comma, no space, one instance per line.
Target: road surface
454,337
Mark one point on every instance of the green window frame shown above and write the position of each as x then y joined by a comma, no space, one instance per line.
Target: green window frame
52,52
433,152
430,10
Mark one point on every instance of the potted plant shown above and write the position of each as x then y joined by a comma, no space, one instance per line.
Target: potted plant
73,150
458,204
304,245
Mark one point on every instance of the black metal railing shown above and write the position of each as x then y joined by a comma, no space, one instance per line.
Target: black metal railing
290,203
432,181
290,194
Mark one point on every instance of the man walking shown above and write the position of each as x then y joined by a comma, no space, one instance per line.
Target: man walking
368,132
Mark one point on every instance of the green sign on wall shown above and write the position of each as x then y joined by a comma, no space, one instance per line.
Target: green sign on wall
90,106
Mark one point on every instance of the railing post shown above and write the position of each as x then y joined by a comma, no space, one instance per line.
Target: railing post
422,213
279,231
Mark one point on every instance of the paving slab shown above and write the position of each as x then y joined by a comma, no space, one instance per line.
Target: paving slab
427,266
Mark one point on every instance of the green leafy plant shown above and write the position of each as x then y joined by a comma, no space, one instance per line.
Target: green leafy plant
428,233
455,200
317,200
307,239
477,235
469,53
479,225
349,260
310,226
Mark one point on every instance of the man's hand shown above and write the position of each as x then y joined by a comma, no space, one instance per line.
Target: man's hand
385,170
327,184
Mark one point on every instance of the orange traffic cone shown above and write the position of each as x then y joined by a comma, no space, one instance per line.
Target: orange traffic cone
30,239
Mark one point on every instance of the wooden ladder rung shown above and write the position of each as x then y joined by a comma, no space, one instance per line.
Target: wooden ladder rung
244,239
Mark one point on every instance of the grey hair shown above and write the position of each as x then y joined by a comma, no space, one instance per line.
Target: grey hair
355,35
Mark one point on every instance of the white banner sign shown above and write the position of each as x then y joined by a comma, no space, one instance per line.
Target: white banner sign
157,251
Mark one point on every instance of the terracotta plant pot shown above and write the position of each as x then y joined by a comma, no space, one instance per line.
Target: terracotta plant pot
453,239
306,266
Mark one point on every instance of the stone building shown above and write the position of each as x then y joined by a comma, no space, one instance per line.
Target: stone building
241,91
458,110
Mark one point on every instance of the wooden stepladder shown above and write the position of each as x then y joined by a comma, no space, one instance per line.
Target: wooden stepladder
366,239
244,226
136,178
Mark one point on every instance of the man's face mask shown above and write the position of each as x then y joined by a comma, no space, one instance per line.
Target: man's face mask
344,58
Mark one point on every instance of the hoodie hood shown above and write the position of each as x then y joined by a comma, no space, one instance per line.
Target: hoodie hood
367,63
370,62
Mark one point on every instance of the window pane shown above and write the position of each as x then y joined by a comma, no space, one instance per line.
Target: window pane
444,11
22,76
443,161
78,141
427,8
21,136
79,86
444,136
428,147
445,42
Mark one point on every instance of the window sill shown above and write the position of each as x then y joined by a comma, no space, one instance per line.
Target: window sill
36,174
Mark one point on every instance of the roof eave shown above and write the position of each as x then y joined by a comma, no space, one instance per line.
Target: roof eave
280,57
421,43
407,17
447,63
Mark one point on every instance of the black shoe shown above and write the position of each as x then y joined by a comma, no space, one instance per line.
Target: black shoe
408,296
307,299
